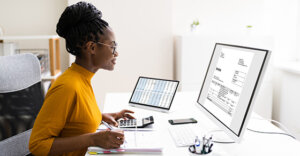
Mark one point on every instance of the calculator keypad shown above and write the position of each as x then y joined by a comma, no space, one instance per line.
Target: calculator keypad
127,123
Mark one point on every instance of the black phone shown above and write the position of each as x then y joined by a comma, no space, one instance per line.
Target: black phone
182,121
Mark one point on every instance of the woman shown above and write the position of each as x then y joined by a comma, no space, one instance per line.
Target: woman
69,117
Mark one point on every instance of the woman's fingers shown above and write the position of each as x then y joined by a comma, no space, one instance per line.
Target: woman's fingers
115,146
117,138
127,111
109,138
113,122
125,114
117,133
119,141
129,116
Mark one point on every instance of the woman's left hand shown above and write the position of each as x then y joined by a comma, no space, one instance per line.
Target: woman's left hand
112,118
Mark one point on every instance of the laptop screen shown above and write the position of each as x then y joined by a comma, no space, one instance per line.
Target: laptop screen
153,92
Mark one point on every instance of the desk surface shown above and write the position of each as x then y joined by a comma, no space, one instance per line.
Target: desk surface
184,107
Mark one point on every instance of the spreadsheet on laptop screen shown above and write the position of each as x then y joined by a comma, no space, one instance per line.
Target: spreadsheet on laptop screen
154,92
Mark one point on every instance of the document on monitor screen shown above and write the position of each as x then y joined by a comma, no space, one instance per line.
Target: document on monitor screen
227,83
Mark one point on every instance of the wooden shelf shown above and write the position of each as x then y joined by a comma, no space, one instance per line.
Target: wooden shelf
54,51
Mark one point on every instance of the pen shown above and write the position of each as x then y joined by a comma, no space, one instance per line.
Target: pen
209,140
203,145
206,149
109,127
209,150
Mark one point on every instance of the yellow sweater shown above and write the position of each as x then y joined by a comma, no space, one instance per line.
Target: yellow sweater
69,109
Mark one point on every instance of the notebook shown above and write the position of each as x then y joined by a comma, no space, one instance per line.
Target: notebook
135,142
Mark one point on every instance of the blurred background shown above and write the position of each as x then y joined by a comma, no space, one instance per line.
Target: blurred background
174,39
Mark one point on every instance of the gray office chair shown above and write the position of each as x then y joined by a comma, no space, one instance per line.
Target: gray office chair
21,97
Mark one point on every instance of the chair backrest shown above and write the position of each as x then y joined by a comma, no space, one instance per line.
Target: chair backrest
21,97
18,72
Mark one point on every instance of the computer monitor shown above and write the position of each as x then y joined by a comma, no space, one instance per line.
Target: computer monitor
230,86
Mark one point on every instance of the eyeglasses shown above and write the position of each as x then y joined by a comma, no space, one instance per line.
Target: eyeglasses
114,46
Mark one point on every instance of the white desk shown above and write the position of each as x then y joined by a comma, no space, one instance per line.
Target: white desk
184,107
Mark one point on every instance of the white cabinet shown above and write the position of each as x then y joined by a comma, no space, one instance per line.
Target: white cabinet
192,55
286,109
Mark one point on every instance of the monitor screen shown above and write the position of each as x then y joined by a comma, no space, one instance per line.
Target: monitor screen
153,92
230,84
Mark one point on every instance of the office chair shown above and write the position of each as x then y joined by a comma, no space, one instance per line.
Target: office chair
21,97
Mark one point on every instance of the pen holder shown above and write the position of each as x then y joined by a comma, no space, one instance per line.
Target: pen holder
192,150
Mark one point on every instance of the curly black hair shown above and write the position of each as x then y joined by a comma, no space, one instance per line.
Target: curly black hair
78,24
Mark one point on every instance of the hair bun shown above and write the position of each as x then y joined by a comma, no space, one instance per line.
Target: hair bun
75,15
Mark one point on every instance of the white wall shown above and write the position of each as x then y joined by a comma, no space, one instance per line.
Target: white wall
279,19
276,18
143,31
217,16
32,17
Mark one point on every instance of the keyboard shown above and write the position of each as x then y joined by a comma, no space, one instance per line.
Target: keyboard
183,135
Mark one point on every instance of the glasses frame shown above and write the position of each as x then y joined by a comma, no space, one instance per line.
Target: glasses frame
114,47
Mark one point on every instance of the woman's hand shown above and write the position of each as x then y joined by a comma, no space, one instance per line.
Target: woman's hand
112,118
108,139
124,114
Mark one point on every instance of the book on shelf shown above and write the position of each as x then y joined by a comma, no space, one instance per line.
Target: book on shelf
42,55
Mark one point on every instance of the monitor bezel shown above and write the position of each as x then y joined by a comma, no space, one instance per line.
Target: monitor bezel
151,106
230,132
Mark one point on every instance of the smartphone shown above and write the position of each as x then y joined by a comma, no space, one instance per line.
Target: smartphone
182,121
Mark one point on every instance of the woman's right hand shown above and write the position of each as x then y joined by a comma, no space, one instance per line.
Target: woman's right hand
108,139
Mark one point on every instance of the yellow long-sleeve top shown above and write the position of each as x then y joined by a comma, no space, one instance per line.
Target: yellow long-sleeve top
69,109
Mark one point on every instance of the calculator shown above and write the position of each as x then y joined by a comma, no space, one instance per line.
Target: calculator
139,123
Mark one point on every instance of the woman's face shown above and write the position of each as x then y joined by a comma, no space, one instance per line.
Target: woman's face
105,56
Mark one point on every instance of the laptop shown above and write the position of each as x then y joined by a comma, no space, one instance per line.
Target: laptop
153,93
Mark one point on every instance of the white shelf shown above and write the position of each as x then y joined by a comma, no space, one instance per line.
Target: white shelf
54,51
47,76
28,37
290,66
